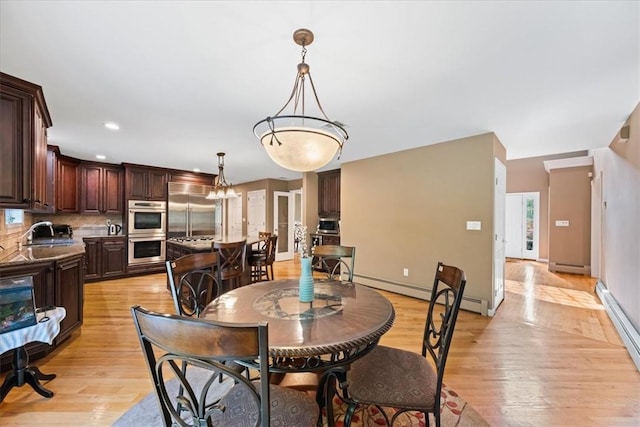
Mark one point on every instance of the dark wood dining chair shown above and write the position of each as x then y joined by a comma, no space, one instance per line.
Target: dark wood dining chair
335,260
193,282
381,378
167,341
232,260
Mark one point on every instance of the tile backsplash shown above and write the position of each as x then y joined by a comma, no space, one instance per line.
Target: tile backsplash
82,225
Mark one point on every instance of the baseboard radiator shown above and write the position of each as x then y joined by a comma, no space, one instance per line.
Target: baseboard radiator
627,332
568,268
468,303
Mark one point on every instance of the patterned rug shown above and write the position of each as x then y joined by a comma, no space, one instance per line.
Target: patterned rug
455,412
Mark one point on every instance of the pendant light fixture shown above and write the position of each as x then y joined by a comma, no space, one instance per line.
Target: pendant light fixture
299,142
222,190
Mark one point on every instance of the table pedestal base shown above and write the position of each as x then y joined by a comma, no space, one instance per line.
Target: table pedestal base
22,374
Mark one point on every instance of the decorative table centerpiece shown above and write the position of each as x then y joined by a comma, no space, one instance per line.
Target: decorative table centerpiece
306,274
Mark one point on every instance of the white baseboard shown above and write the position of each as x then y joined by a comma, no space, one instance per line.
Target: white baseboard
627,332
468,303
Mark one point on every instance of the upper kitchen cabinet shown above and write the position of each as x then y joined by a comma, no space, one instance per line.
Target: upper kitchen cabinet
101,188
67,179
191,177
145,183
329,194
24,120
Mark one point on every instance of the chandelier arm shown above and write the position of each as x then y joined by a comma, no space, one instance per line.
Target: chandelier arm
313,88
293,93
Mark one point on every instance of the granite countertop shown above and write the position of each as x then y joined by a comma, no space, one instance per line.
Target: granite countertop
39,253
204,243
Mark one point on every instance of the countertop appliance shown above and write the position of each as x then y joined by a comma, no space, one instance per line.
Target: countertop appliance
190,213
55,230
114,229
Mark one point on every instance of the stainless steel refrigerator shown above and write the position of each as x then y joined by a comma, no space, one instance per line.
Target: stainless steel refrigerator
190,213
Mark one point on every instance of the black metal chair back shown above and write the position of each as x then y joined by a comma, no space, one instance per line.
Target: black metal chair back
193,282
335,260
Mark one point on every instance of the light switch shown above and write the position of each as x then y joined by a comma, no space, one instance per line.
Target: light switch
474,225
562,223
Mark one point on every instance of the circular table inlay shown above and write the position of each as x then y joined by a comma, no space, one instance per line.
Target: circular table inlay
284,304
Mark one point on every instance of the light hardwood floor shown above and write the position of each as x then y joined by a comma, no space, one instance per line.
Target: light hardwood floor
550,356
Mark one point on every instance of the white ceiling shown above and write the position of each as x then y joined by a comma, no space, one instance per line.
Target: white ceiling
188,79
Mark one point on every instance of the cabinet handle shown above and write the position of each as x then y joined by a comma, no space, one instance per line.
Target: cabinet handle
26,200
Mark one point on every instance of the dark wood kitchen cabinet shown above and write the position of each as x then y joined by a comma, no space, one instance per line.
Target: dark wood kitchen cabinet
192,177
24,120
106,257
52,171
59,283
145,183
69,293
101,188
67,180
329,194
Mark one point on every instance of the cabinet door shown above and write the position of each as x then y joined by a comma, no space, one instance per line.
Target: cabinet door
136,184
93,253
329,193
157,185
67,186
39,165
15,179
52,165
69,293
114,258
112,185
43,289
90,188
191,177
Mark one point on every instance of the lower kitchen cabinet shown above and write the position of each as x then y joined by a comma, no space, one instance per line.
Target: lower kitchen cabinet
69,293
106,257
59,283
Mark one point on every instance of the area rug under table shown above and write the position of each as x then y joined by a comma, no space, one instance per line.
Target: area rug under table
455,412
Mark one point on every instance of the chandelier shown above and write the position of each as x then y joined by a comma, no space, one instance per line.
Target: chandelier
299,142
221,190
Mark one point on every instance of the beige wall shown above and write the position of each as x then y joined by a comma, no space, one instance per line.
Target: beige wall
409,210
618,166
269,185
529,175
570,200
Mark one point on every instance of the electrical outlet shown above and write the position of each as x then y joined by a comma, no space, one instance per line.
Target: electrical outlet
405,272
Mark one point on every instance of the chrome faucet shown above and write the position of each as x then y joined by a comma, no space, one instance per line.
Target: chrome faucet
29,233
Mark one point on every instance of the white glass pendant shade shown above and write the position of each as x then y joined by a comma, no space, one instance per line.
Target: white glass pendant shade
301,149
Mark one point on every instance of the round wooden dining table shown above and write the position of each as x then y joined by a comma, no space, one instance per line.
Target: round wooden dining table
343,322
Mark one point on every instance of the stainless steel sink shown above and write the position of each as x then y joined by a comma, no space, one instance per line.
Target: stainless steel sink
61,241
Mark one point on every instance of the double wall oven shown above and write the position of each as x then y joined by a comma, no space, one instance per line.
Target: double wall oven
146,227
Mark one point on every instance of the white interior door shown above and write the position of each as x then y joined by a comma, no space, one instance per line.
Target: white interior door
283,214
234,205
256,212
500,190
522,225
514,226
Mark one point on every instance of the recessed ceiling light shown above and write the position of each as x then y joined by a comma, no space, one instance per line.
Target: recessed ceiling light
101,156
196,170
112,126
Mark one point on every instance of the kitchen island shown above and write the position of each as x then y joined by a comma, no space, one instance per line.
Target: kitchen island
58,280
180,246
